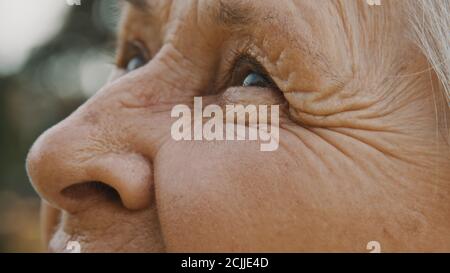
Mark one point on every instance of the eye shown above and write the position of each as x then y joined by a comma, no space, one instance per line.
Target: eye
257,80
135,62
133,56
245,71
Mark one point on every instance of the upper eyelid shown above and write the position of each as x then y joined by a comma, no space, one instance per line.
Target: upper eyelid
238,59
130,49
253,63
256,66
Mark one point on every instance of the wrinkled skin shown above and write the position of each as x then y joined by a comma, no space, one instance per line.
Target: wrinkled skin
362,153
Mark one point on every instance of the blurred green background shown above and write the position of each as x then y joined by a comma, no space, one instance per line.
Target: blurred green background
53,56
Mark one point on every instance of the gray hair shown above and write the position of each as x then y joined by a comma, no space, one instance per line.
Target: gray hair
431,24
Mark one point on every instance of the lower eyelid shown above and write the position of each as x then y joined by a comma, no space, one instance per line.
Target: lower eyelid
252,95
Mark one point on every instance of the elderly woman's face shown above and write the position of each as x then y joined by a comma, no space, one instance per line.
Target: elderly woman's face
360,155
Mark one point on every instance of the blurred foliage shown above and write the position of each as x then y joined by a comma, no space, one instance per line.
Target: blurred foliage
56,79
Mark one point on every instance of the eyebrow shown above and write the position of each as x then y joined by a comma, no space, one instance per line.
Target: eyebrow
231,13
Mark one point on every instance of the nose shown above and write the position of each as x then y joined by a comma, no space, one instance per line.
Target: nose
100,153
71,175
106,147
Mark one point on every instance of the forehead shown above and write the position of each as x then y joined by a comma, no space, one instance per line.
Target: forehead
249,13
238,12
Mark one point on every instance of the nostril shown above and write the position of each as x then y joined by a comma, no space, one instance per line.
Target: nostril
123,179
89,191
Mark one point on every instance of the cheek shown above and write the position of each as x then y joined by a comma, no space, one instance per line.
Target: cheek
230,196
225,196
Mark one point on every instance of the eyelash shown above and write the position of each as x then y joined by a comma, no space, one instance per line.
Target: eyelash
235,62
132,49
